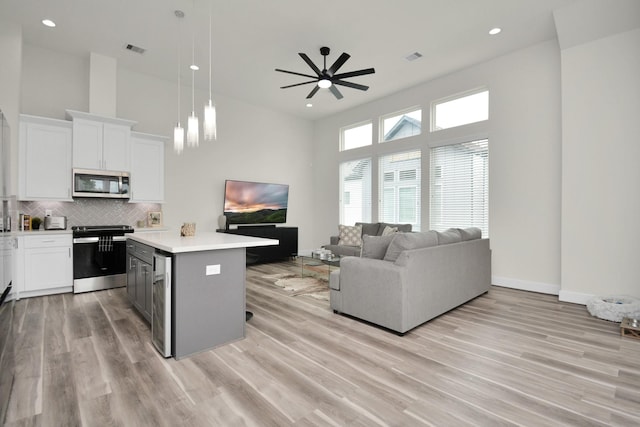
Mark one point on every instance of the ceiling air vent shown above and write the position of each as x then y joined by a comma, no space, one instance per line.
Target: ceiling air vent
413,56
135,49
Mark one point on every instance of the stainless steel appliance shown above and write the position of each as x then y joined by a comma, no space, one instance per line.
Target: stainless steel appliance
161,304
99,257
97,183
55,222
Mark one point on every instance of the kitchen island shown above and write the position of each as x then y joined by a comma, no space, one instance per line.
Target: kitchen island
207,292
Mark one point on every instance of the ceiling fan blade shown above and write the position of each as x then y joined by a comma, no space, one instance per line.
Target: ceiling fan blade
351,85
339,63
354,73
334,90
297,74
313,91
299,84
310,63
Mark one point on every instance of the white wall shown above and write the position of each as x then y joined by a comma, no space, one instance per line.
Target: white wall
253,143
53,82
524,134
601,176
10,76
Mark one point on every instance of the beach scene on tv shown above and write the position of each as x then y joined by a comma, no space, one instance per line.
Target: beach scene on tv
255,202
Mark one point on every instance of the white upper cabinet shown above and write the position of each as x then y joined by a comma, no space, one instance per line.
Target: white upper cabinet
44,157
100,142
147,168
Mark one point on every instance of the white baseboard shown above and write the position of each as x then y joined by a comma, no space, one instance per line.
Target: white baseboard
525,285
575,297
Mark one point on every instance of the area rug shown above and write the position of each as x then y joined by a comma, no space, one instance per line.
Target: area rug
294,285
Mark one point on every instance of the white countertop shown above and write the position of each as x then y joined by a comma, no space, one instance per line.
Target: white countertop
38,232
171,241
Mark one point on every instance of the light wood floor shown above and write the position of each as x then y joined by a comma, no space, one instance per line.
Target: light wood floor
506,358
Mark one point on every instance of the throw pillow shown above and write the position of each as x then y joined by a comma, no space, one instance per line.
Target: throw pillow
370,228
389,230
375,246
405,228
404,241
350,235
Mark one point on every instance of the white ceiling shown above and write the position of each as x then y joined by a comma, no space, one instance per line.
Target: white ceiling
253,37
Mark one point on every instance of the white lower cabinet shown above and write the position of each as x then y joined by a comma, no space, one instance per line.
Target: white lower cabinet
44,265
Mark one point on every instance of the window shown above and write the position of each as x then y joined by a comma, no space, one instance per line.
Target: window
402,125
356,136
460,111
400,188
355,182
460,186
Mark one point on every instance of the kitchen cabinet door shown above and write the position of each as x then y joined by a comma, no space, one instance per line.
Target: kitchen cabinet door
87,144
103,146
115,147
44,159
132,267
45,265
147,168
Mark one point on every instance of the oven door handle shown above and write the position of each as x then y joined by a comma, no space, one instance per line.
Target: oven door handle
97,239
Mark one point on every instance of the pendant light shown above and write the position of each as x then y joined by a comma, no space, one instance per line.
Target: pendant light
209,123
178,130
192,122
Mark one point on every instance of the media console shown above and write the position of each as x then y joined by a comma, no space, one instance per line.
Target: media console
288,237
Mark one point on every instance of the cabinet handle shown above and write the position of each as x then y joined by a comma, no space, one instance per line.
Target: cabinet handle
48,241
69,252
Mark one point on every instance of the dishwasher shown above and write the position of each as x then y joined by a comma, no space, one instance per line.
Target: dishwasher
161,304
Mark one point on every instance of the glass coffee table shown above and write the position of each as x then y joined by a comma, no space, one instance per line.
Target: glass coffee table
311,258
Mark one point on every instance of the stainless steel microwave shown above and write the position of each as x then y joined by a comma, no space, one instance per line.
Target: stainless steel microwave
98,183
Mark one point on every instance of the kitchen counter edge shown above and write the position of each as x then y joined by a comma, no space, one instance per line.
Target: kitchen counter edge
172,242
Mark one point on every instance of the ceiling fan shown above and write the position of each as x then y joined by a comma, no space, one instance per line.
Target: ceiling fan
327,78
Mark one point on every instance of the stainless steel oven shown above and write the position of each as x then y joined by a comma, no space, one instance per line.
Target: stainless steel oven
99,257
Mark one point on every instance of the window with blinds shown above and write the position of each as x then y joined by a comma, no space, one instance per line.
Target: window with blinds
355,188
400,175
460,186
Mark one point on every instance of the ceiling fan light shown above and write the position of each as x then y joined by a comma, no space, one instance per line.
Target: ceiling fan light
324,83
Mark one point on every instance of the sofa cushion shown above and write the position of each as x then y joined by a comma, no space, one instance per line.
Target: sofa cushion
370,229
404,241
471,233
350,235
405,228
375,246
451,235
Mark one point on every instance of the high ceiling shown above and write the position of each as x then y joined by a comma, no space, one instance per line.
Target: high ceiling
253,37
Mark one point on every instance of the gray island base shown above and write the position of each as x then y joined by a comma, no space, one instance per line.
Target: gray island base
208,287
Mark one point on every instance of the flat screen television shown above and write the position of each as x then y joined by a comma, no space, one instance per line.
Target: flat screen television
255,202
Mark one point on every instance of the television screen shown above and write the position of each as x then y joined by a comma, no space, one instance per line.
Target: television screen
255,202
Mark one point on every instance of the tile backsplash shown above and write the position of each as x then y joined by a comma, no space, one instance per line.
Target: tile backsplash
93,211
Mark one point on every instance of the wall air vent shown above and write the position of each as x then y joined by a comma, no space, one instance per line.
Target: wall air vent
413,56
136,49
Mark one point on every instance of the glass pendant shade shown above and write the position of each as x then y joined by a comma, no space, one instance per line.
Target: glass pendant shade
209,124
178,139
192,130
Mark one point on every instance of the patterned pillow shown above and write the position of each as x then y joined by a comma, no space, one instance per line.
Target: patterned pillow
389,230
350,235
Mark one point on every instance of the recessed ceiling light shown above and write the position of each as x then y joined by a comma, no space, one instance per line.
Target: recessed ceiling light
194,67
495,31
48,23
309,105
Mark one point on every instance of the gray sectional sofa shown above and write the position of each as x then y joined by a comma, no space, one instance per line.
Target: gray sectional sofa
406,279
368,229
